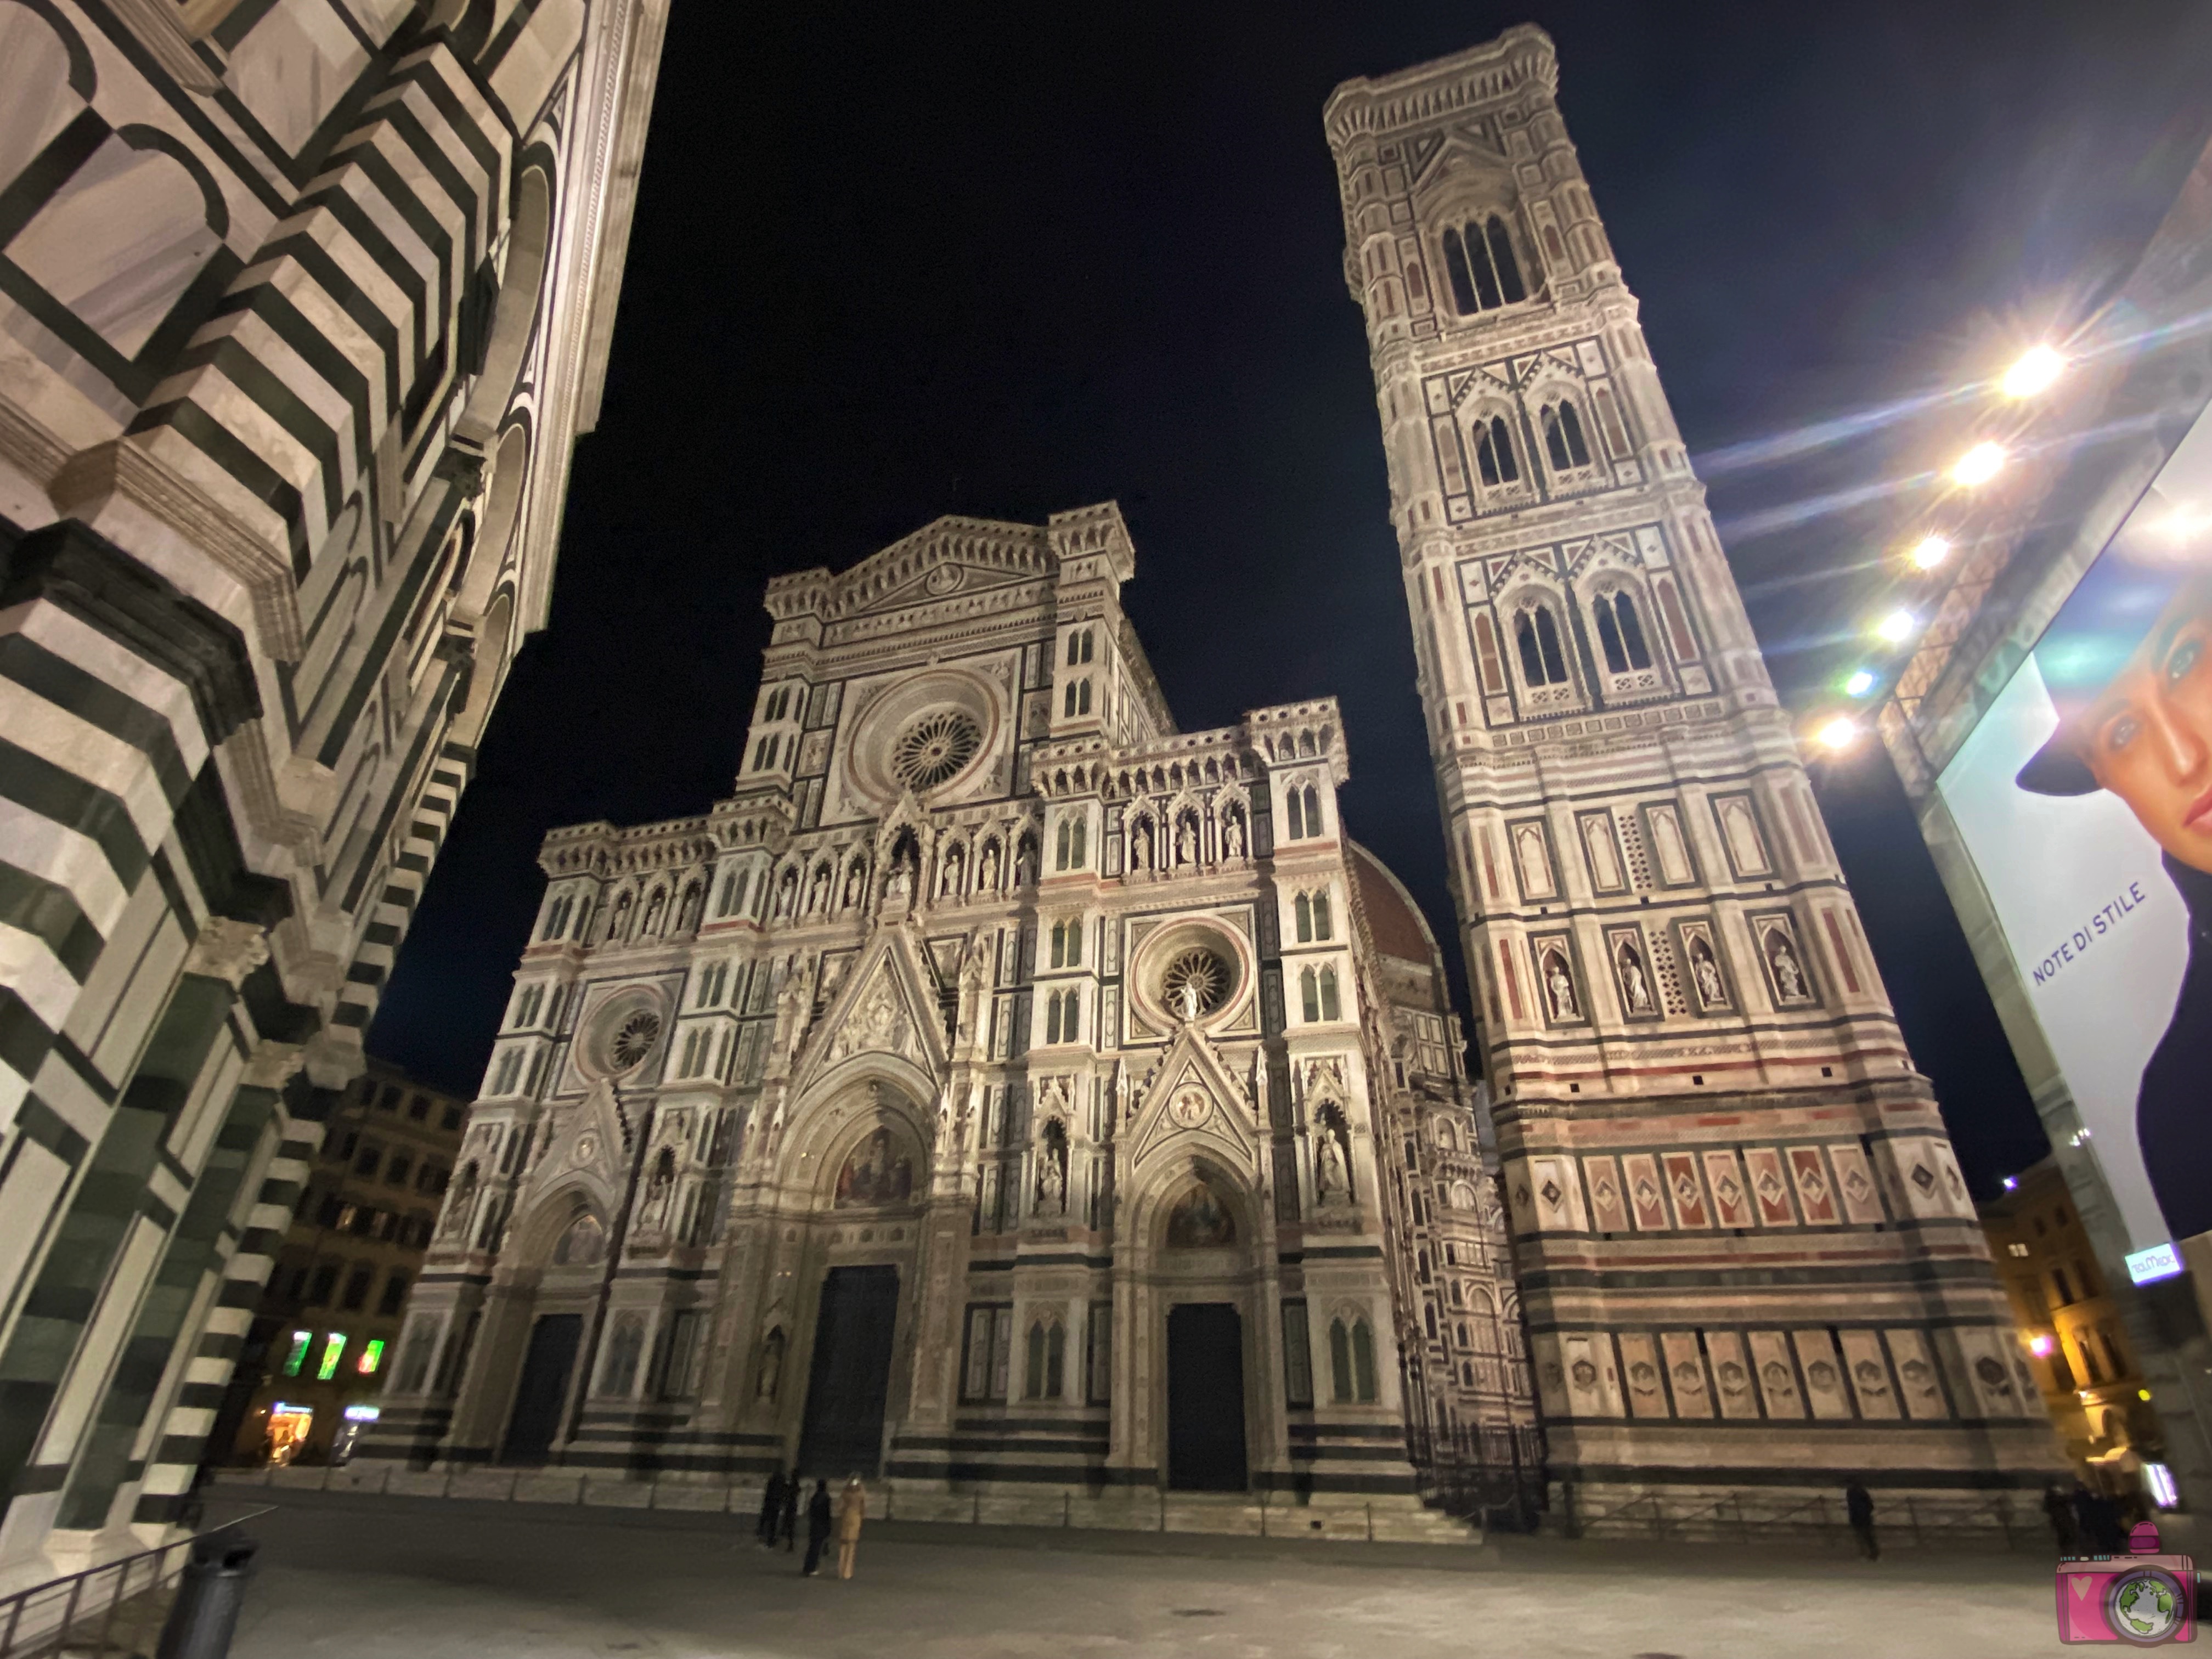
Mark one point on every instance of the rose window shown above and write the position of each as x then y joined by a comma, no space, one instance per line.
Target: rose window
935,748
1196,982
633,1039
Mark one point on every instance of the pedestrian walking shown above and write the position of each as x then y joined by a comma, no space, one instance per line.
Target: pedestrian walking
789,1530
771,1510
2060,1508
817,1526
1858,1508
852,1509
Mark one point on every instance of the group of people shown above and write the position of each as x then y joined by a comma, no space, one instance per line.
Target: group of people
2087,1522
778,1519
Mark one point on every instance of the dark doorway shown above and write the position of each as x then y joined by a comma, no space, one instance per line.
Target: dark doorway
851,1374
1206,1398
544,1389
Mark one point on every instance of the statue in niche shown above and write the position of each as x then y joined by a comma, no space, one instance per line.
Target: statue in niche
619,927
948,885
771,1366
876,1172
1789,977
1712,990
817,894
1559,987
987,868
1052,1174
463,1200
1331,1184
899,889
687,917
656,907
1232,835
1633,983
1186,840
1140,844
1021,863
1201,1221
852,884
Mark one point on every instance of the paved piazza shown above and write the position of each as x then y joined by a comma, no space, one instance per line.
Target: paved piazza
419,1579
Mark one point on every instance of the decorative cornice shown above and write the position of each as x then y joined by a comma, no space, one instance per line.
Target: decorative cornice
1522,57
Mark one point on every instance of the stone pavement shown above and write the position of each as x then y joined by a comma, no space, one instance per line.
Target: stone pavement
415,1578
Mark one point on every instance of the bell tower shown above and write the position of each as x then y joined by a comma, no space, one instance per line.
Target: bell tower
1750,1267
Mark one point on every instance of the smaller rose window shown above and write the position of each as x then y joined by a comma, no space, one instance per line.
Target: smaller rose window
935,748
1196,982
633,1039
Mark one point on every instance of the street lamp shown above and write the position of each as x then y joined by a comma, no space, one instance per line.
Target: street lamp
1860,682
1838,734
1929,551
1896,627
1979,465
2038,367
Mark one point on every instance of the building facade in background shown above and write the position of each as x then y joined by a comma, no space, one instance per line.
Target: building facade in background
317,1356
2092,1386
999,1087
2086,893
1751,1268
303,304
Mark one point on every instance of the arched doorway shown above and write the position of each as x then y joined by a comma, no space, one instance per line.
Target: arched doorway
1202,1265
547,1380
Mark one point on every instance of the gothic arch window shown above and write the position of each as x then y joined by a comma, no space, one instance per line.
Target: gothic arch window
1081,646
1620,633
1351,1360
1309,995
1303,909
1609,421
619,1376
1564,442
1077,699
1044,1375
1323,924
1481,266
1329,1007
1536,635
1495,460
1071,849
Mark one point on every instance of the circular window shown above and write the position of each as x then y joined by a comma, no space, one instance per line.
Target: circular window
633,1039
1196,983
934,748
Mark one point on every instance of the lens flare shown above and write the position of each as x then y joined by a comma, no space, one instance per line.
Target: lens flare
1929,551
1838,734
1860,683
2038,368
1979,465
1896,627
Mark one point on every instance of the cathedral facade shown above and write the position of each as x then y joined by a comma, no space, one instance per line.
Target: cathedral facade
1001,1087
1750,1267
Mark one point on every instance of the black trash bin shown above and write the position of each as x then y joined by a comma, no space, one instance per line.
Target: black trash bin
209,1597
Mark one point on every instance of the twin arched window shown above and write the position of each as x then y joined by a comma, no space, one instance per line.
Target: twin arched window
1312,917
1302,807
778,704
1479,262
1077,699
1495,461
1045,1375
1620,633
1070,848
764,755
1352,1361
1537,633
1080,644
1318,995
1062,1017
1564,443
1067,944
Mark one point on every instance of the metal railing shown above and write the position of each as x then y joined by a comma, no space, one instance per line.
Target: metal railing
115,1609
1820,1517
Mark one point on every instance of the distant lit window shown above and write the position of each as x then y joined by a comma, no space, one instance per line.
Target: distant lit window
334,1348
371,1356
297,1356
2017,1249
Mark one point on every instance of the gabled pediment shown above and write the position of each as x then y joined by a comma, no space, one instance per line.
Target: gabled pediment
887,1005
1195,1102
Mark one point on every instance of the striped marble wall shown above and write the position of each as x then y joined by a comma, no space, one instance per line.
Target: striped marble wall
303,304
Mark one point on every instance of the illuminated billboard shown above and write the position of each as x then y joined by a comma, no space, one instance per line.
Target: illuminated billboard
2084,797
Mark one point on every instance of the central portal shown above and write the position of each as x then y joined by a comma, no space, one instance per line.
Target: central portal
851,1374
1206,1398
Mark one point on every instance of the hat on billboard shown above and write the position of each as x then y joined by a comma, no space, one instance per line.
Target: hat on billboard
2106,618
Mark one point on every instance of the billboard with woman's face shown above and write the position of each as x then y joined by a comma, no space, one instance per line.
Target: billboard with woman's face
2084,796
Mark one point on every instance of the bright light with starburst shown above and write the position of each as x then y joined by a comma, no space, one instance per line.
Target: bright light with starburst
1929,551
1859,683
1979,465
1838,734
2037,370
1896,627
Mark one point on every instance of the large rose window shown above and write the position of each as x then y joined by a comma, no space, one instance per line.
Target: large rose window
633,1039
935,748
1196,983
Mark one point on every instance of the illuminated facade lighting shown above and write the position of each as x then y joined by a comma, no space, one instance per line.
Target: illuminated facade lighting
2038,1345
1979,465
2037,368
1896,627
1929,551
1860,683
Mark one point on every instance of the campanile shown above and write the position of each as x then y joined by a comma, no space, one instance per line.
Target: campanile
1750,1267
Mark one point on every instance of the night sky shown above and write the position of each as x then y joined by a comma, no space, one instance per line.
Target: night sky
893,262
